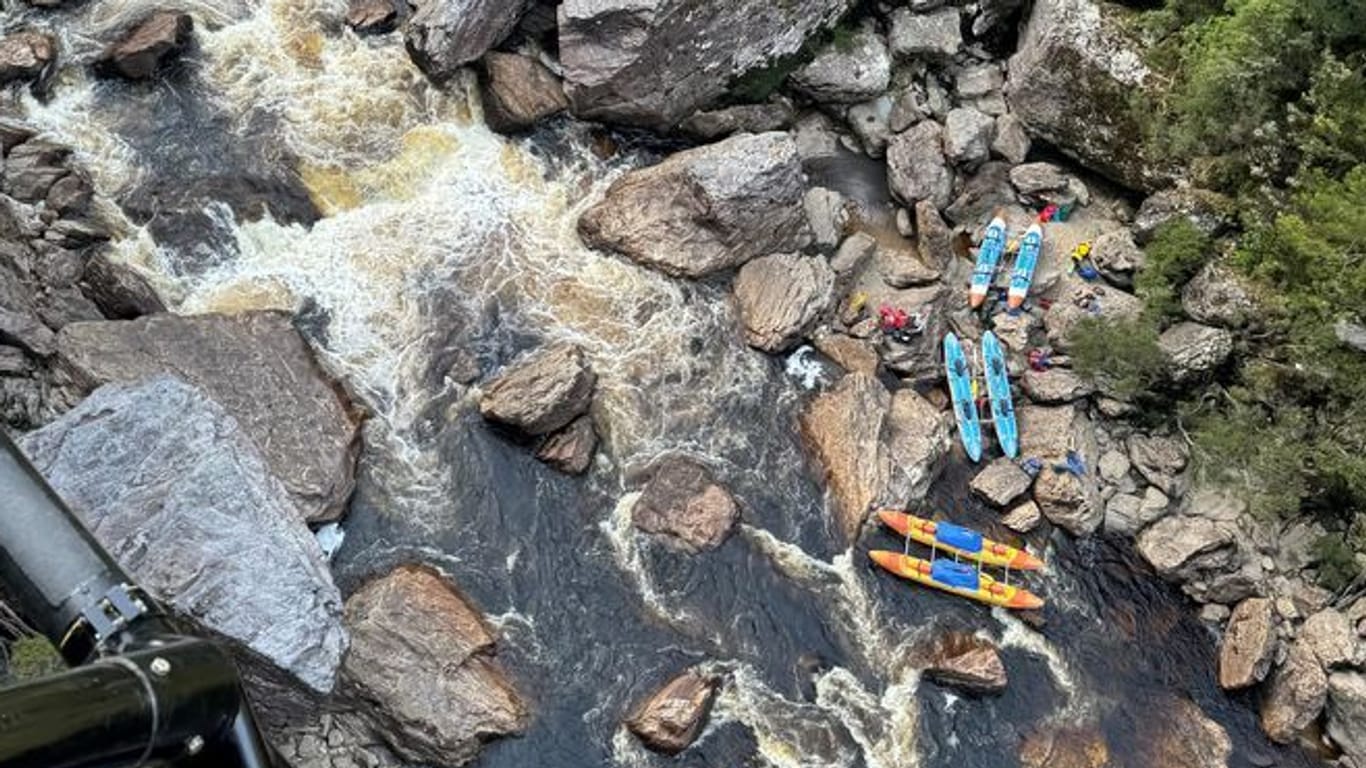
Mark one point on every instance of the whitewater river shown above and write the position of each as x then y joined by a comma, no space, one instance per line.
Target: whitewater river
439,241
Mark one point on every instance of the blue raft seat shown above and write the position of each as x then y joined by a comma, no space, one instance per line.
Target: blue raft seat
958,537
953,574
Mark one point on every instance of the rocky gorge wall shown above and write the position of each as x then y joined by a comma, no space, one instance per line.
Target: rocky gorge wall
348,293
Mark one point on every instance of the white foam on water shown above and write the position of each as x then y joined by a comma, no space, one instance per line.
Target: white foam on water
330,538
803,366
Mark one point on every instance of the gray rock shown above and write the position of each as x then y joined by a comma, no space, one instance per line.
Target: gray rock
916,167
1215,504
1194,350
13,362
148,46
444,35
1297,695
773,115
993,15
1048,434
1127,513
1118,257
1054,386
935,34
426,659
707,209
1220,297
978,80
24,55
1350,335
1330,636
967,136
26,331
1001,482
571,449
849,353
903,268
671,719
1114,466
1033,178
1178,544
654,63
1023,518
1210,212
967,663
32,168
781,297
1248,645
1214,614
846,73
542,392
175,488
1065,314
1072,82
519,91
118,289
872,446
1347,713
685,504
871,121
258,368
1158,459
984,194
1011,142
372,17
827,212
934,239
854,252
1069,502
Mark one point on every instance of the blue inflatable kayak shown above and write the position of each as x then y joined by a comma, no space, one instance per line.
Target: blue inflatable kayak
998,388
988,259
1031,245
964,406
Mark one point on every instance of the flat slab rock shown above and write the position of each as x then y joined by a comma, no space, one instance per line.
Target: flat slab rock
177,491
967,663
685,503
781,297
670,720
707,209
541,392
1001,482
1249,644
259,369
425,657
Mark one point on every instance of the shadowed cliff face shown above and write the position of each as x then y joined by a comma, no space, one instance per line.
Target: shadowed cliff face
288,165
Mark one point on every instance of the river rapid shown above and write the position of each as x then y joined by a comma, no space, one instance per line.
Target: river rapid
411,240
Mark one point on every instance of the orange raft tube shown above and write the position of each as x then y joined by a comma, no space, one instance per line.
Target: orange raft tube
989,552
957,579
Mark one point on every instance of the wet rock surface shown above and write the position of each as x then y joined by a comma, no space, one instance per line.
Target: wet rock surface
571,449
258,368
149,46
683,502
670,720
158,467
966,663
519,91
24,55
916,167
444,35
541,392
781,297
1194,350
426,658
708,209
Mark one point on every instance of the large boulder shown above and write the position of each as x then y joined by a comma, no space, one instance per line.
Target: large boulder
24,55
255,365
1158,459
1049,434
1118,257
1210,212
1001,482
177,490
444,35
425,657
916,167
372,16
1127,513
1347,713
781,297
1055,386
653,63
32,168
684,503
571,449
670,720
148,46
1178,545
1064,316
707,209
1219,296
847,72
1298,692
519,91
1073,80
542,392
967,135
1194,350
1064,746
966,662
1330,636
1249,644
872,446
1184,737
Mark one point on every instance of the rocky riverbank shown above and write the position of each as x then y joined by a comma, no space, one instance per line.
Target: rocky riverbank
956,112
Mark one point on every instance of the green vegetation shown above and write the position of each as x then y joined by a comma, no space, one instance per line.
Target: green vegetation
1177,252
1122,355
1267,105
31,657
